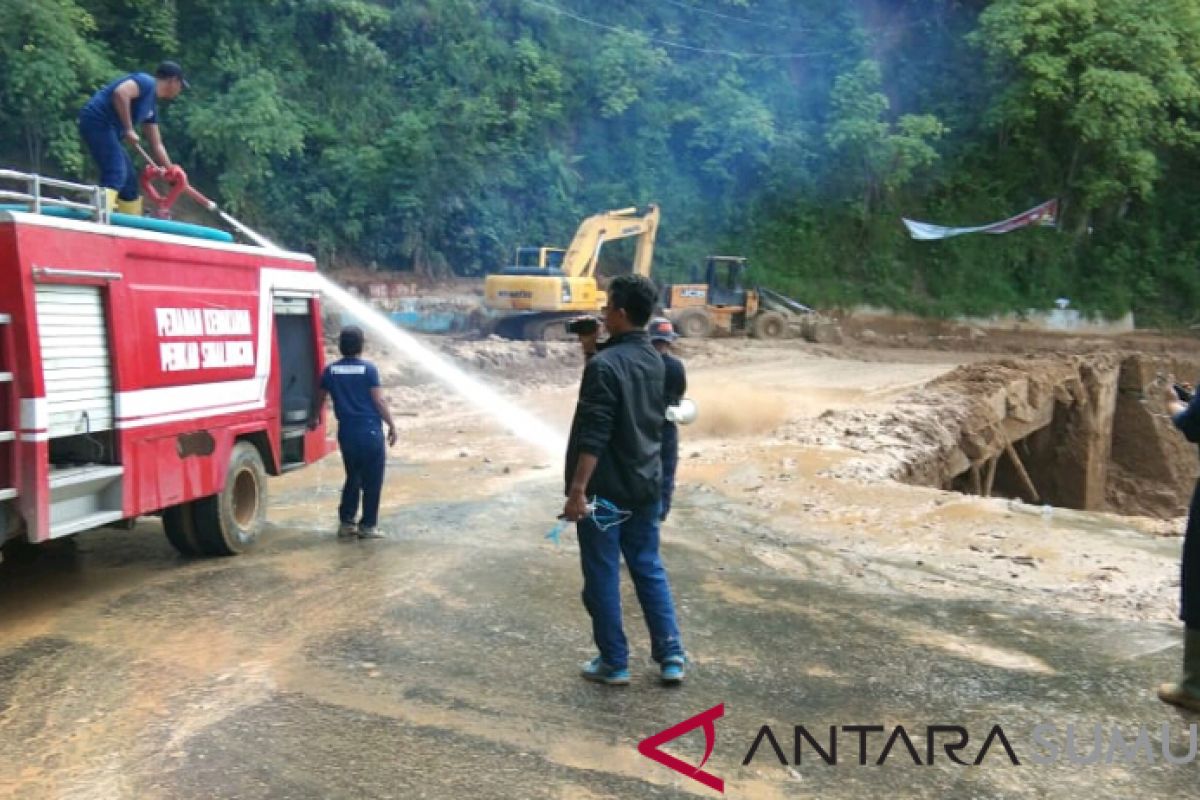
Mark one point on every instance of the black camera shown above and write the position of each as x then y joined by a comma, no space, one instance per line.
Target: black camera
583,326
1182,393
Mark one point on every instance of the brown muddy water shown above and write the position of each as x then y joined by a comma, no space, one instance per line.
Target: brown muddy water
442,661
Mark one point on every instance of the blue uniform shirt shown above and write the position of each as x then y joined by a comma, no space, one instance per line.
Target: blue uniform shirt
143,109
349,382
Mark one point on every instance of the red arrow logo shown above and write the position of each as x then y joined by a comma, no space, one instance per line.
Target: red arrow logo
650,747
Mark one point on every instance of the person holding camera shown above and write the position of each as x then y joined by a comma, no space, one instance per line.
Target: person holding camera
662,334
613,483
1184,408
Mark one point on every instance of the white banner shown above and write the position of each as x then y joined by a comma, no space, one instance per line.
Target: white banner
1045,214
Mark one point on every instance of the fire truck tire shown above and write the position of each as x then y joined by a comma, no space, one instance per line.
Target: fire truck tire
769,325
229,522
693,323
179,523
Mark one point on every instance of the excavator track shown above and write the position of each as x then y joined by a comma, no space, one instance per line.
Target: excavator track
534,327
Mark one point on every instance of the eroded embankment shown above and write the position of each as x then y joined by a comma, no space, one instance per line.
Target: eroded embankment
1077,431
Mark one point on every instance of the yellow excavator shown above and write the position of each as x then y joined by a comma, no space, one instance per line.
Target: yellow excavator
534,298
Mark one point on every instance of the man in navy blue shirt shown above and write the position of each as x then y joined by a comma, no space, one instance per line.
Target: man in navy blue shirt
114,113
360,408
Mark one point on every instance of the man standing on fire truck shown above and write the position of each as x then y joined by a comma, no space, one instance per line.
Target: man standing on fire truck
113,114
360,408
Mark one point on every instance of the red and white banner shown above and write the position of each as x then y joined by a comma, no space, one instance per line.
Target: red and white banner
1045,214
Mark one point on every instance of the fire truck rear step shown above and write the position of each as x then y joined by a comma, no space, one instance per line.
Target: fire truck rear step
84,497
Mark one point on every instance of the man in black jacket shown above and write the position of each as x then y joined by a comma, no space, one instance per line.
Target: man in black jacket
613,464
1186,691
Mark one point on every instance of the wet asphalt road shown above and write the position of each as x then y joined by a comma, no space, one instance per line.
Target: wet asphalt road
442,662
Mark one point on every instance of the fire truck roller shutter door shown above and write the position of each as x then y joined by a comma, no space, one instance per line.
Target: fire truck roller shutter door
73,336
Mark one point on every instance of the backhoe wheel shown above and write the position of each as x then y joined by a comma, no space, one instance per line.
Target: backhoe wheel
179,523
228,523
769,325
694,324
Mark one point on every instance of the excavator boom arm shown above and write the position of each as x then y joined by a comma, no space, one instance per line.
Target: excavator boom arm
584,251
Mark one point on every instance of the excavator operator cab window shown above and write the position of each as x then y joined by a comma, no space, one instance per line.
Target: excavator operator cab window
527,258
537,262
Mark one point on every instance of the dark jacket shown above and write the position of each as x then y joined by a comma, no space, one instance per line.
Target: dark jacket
1188,420
676,379
618,418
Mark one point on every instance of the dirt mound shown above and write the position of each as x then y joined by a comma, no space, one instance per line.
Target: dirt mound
907,442
1087,432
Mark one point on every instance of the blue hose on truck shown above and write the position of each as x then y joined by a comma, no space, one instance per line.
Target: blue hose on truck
132,221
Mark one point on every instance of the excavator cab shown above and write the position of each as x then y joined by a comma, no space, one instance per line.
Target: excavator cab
547,286
537,261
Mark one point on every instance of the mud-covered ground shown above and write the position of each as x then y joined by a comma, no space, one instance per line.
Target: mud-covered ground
442,661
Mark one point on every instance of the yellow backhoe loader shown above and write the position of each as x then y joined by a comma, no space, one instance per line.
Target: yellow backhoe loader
724,305
547,287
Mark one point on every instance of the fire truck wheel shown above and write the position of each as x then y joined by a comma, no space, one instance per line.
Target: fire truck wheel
228,523
179,522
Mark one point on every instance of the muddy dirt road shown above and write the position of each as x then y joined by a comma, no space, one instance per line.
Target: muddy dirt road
441,662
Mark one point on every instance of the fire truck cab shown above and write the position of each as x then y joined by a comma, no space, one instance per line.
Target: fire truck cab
147,368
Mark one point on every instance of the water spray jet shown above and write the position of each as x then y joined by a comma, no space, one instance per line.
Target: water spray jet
515,419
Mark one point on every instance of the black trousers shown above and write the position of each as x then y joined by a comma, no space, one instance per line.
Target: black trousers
1189,588
670,461
364,456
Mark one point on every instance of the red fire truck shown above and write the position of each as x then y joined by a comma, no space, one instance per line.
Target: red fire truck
147,367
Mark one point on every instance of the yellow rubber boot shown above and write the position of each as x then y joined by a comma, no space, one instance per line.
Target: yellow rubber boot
133,207
1186,693
110,200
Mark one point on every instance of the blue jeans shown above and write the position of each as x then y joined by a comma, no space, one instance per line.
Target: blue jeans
600,551
364,456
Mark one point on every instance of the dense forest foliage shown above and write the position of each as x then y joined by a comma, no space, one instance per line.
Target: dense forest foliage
436,135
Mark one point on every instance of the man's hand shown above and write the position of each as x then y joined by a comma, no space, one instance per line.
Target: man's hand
576,506
131,136
589,342
392,437
1174,404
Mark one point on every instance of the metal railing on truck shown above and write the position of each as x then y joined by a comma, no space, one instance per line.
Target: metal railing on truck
91,200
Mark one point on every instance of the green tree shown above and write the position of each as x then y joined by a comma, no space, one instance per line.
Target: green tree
49,65
239,133
1096,90
886,154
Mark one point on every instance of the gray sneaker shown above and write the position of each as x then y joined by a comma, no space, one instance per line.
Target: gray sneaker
347,530
370,533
